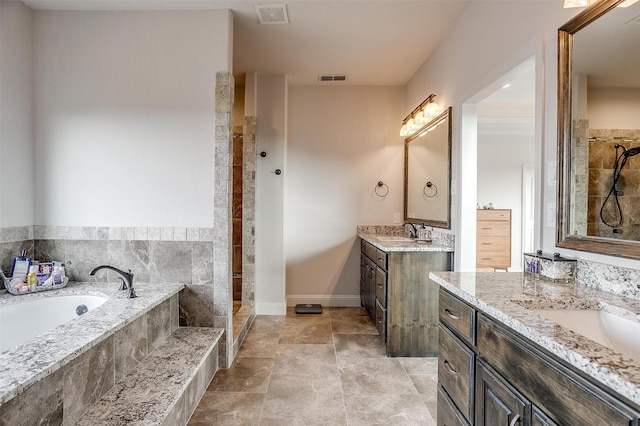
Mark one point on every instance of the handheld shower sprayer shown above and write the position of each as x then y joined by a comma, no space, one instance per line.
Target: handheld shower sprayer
621,160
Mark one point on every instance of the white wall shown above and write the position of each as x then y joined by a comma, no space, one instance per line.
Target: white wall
125,116
271,137
342,141
500,161
613,108
16,114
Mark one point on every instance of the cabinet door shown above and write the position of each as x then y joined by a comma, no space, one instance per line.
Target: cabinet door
538,418
498,403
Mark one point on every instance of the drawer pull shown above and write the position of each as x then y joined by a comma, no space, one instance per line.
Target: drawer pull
515,420
450,369
381,258
451,314
380,285
485,244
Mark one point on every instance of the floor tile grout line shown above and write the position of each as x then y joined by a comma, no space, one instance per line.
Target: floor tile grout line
335,352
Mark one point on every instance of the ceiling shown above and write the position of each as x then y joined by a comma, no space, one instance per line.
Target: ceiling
378,43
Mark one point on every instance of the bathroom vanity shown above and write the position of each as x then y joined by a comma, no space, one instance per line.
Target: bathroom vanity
505,358
396,291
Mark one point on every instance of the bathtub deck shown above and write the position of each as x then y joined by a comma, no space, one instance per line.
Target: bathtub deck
165,387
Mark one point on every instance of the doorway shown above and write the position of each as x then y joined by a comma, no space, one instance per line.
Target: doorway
501,138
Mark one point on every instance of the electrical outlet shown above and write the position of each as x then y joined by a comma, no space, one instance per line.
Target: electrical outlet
397,218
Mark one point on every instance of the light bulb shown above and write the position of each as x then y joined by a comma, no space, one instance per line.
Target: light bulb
432,109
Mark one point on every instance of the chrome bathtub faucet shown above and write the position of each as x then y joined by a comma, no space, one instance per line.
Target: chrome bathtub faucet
126,278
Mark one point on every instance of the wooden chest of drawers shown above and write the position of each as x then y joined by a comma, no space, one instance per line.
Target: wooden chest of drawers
493,244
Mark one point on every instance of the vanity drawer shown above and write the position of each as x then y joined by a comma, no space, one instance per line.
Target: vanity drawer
459,316
370,251
381,286
381,320
456,371
381,259
448,414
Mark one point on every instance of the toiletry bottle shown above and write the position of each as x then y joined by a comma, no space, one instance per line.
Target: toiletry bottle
21,266
32,279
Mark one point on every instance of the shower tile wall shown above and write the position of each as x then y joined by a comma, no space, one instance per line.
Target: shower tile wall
222,215
237,212
248,211
602,155
580,174
12,241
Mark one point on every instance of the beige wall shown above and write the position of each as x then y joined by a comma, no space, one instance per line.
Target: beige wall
341,142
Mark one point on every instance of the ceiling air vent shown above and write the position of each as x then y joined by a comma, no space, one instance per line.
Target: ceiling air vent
272,13
327,77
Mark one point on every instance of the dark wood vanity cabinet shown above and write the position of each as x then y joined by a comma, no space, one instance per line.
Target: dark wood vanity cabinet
396,291
489,375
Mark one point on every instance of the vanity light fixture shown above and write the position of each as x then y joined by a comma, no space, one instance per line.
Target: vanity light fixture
421,115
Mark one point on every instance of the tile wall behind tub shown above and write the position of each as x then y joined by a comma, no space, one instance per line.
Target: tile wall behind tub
12,241
183,255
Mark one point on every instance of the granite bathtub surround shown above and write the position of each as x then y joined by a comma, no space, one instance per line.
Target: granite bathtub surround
507,297
146,397
439,238
55,377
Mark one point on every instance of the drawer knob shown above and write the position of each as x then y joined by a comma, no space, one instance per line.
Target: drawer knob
451,314
450,368
515,420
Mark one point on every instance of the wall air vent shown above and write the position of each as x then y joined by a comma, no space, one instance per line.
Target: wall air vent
332,77
272,13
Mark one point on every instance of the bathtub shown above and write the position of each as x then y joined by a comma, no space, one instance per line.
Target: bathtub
22,321
64,345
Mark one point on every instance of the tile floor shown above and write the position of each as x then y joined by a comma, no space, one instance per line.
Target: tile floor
327,369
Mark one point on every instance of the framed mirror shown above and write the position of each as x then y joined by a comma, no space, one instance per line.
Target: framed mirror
599,130
427,173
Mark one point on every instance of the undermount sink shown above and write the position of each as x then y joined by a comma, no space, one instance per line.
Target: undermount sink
612,331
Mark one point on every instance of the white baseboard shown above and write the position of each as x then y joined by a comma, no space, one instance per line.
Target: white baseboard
271,309
334,301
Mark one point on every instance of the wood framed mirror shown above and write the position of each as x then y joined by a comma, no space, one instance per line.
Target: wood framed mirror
599,131
427,173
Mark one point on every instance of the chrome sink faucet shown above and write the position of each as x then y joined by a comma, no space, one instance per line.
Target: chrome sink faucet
413,232
126,278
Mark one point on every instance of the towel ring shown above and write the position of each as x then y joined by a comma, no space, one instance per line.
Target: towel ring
430,187
379,192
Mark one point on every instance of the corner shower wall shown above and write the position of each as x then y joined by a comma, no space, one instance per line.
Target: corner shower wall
601,160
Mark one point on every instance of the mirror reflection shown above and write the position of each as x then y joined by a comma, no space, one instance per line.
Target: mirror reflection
600,130
428,173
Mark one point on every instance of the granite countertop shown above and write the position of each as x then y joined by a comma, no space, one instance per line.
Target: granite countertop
27,363
391,243
508,297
